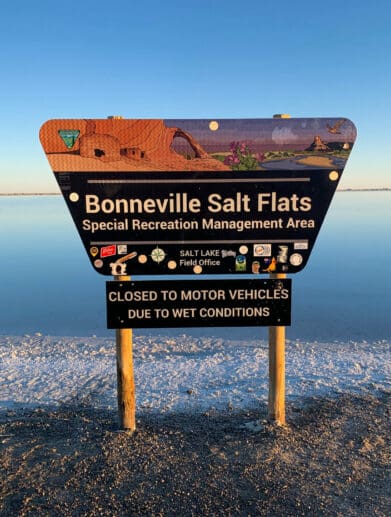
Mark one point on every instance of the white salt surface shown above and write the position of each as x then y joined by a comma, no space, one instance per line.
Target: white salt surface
182,373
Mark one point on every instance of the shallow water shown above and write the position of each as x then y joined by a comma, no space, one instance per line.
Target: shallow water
48,285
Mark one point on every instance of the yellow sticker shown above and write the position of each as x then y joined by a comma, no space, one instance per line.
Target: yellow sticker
94,251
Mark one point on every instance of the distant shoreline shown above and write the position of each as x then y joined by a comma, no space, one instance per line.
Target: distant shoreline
16,194
375,189
30,194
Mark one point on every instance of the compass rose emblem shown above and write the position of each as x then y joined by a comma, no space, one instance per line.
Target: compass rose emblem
158,255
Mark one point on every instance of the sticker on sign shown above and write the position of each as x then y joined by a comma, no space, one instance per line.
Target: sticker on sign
108,251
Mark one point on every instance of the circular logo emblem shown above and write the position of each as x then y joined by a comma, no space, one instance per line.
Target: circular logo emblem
171,264
74,197
158,255
296,259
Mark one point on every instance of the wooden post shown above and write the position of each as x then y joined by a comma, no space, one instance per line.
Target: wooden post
277,369
126,392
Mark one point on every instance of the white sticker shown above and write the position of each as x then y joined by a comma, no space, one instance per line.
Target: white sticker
262,250
301,245
122,249
296,259
282,256
118,269
74,196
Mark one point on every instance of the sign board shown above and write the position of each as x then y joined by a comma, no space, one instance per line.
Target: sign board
163,197
201,303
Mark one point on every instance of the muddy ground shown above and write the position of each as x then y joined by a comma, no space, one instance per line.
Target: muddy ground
333,458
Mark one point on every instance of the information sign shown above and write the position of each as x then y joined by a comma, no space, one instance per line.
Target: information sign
200,303
169,197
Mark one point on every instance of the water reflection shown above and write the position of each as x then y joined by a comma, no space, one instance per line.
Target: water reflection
48,285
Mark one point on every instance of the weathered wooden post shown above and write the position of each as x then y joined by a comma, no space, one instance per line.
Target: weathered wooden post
276,402
126,392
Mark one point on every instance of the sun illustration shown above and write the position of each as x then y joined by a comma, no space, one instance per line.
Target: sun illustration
213,125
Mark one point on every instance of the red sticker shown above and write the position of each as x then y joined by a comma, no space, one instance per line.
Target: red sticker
108,251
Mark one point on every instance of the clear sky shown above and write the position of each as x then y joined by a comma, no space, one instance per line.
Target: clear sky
202,59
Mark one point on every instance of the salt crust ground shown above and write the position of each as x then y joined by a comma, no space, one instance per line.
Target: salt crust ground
219,373
203,445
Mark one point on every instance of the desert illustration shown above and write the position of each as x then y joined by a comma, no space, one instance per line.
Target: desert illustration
117,144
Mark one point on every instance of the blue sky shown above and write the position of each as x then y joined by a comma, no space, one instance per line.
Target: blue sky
206,59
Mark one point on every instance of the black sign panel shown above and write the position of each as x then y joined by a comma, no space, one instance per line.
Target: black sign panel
169,197
198,303
209,223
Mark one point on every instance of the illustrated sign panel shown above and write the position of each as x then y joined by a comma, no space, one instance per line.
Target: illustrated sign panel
201,303
161,197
